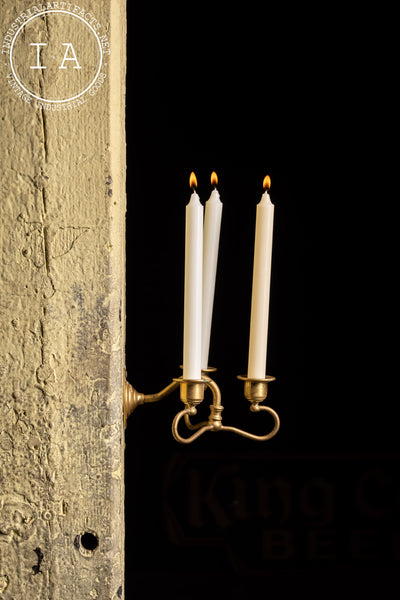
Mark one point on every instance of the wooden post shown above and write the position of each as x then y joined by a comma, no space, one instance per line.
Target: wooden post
62,312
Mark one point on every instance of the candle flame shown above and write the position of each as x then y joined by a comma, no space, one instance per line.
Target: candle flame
214,178
267,182
193,180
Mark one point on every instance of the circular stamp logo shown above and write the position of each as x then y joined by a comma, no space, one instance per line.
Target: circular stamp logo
56,54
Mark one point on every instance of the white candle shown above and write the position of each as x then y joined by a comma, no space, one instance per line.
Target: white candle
193,286
212,228
261,287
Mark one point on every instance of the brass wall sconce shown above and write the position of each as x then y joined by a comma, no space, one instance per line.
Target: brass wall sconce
200,264
192,394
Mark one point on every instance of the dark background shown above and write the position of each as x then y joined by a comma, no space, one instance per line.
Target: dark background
247,90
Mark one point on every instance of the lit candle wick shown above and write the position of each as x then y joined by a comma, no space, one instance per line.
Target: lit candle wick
214,180
193,181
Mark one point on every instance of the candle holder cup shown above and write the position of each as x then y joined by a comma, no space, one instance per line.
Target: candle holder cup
192,392
256,390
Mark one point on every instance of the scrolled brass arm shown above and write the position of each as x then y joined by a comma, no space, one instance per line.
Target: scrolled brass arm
215,419
189,411
252,436
192,394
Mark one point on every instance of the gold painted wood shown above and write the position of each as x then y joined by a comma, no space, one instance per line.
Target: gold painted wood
62,316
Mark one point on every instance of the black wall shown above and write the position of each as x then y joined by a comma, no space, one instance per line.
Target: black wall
247,90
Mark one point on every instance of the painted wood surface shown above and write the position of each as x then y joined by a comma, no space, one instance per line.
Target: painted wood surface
62,312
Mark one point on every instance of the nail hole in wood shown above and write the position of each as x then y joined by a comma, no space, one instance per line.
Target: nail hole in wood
89,541
86,543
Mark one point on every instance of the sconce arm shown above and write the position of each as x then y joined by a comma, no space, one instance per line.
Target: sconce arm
214,423
191,426
189,411
192,393
133,398
252,436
